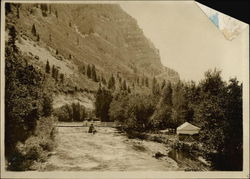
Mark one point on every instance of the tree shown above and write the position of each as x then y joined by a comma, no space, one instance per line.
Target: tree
47,105
163,115
124,85
211,113
129,90
56,74
62,78
132,111
104,82
89,71
83,114
50,38
182,112
12,39
111,83
47,68
23,98
8,8
83,69
76,111
56,13
102,104
146,82
53,71
233,149
163,84
155,87
33,30
93,73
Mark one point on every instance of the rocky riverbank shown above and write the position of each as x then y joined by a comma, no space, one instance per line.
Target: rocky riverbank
188,155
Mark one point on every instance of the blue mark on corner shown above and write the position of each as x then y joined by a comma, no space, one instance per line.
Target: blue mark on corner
215,19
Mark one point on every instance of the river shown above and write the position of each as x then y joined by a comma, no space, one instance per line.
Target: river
107,150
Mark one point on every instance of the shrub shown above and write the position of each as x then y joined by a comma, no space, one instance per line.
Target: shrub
35,148
73,112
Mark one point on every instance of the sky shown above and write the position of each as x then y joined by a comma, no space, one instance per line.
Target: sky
188,41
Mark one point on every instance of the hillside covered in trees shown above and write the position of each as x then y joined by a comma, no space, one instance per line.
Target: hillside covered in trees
89,44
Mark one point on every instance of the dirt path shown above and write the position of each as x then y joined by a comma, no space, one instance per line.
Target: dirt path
107,150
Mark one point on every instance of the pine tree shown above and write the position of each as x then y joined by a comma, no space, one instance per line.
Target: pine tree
102,104
47,69
129,90
50,38
124,85
103,81
56,13
12,39
146,82
93,73
83,69
111,83
155,86
89,71
163,84
33,30
167,95
47,105
56,52
56,74
62,78
53,72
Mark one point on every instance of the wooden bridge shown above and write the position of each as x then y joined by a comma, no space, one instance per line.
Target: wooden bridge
87,124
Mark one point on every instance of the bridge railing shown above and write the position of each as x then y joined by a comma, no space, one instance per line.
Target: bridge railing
87,124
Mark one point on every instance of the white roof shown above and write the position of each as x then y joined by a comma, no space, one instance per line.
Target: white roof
187,126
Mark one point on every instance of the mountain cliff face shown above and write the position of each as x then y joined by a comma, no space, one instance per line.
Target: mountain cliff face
97,34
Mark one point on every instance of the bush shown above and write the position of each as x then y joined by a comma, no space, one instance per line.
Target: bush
69,113
35,148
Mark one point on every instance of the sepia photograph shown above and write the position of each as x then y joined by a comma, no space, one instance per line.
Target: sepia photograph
127,87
